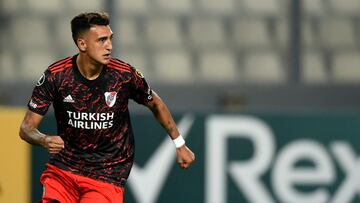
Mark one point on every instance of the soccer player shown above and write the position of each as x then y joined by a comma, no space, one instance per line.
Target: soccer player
93,151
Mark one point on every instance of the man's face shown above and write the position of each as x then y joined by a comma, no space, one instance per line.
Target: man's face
98,44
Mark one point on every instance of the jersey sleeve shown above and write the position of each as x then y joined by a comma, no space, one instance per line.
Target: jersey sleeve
141,91
43,94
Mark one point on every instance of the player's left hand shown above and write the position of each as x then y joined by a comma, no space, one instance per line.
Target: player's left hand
185,157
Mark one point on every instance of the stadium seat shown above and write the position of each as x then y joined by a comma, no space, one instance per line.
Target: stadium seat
251,33
37,33
261,7
131,7
34,63
207,32
47,7
346,7
8,68
224,7
174,7
136,58
126,32
163,32
313,7
313,68
173,67
282,33
63,37
346,67
337,33
75,7
264,68
308,34
218,66
10,7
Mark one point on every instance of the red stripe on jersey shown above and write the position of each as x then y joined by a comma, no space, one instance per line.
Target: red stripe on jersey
119,67
118,61
62,68
57,64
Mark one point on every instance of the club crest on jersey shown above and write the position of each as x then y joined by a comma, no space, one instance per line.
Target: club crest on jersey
41,80
110,98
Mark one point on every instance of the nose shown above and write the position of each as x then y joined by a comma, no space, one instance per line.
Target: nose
109,45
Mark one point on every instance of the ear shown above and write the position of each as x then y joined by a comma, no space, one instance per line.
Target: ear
81,44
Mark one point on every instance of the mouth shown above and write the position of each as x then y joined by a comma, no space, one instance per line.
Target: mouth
107,55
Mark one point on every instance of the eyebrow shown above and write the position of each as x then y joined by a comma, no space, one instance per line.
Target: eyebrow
105,37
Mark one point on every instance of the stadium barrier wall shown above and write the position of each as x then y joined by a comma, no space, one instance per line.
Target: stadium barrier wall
259,158
14,158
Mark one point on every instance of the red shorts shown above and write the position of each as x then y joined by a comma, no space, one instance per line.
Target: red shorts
66,187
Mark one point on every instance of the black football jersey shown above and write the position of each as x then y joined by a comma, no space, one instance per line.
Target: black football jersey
92,117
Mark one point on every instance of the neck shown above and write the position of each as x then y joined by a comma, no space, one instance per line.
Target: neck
88,67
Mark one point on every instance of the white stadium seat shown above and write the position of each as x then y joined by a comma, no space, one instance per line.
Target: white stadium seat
261,7
345,7
308,34
175,6
313,7
251,33
223,7
346,67
313,68
173,67
133,7
218,66
75,7
11,6
207,32
337,33
37,33
34,63
8,71
126,32
48,7
264,68
135,58
163,32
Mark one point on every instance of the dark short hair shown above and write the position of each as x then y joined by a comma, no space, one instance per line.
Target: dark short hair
84,21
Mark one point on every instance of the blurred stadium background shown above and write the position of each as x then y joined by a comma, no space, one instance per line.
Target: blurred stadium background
276,60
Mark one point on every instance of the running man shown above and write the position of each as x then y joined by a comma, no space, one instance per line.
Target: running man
93,152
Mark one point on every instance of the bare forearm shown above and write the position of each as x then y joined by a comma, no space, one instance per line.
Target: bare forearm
32,135
163,116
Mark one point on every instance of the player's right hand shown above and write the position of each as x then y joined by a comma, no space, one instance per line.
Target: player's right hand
54,144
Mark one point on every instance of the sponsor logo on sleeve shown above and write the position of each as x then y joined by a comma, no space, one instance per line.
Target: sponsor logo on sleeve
32,104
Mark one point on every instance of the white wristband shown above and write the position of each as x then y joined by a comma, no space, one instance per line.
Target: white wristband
179,141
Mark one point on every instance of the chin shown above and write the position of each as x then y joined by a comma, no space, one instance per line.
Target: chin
105,62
